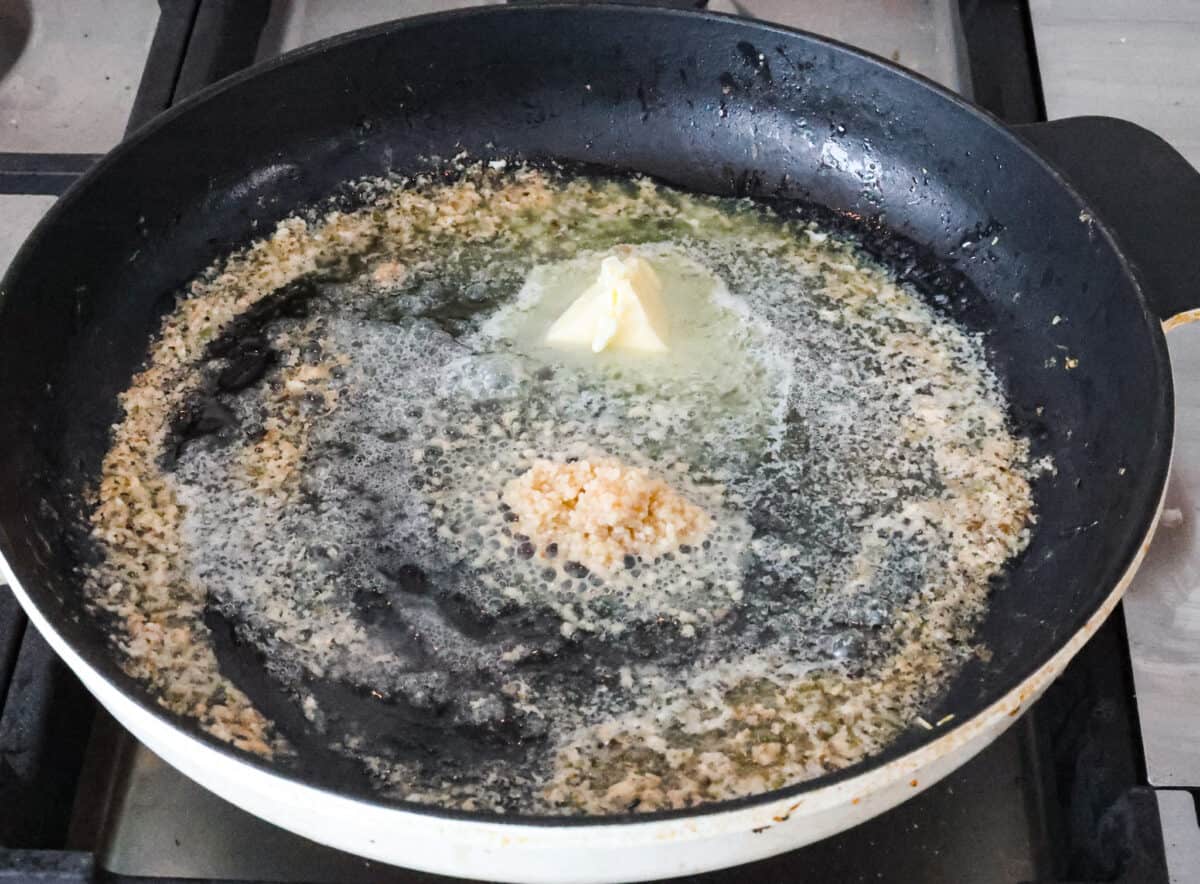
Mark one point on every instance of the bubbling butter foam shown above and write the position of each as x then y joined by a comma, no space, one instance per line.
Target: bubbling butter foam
351,452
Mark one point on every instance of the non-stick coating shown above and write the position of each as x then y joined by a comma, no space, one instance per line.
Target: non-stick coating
714,104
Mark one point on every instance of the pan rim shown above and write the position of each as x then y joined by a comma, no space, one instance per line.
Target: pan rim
1121,567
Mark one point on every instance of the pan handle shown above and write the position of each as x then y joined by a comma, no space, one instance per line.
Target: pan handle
1146,193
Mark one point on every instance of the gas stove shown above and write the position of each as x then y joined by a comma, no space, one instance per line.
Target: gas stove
1068,794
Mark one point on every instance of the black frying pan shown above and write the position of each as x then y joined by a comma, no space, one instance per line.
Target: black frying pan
1100,223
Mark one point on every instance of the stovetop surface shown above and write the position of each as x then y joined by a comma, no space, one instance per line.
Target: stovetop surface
1064,796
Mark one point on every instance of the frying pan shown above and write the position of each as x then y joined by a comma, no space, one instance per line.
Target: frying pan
1099,223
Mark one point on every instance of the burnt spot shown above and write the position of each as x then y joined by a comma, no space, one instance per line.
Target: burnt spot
755,59
288,302
201,416
374,608
206,415
246,365
467,618
404,576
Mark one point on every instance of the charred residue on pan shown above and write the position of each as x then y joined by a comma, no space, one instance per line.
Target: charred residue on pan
756,60
237,360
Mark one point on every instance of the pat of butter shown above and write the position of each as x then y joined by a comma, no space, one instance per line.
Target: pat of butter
621,310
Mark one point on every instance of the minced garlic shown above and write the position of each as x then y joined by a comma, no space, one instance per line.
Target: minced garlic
598,512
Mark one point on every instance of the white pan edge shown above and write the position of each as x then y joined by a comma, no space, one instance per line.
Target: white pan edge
571,853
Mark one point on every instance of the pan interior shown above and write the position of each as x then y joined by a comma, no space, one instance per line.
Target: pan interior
313,531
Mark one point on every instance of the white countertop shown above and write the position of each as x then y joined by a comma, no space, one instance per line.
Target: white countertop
1135,59
20,212
69,71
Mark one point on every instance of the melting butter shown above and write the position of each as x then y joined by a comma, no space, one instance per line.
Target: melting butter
622,310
